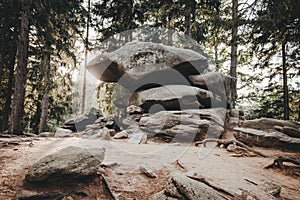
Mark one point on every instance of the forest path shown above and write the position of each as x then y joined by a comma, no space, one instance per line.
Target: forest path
216,165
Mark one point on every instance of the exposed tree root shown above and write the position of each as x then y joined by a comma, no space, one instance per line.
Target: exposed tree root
278,162
179,164
228,142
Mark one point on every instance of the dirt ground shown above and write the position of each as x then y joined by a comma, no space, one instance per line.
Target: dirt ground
215,164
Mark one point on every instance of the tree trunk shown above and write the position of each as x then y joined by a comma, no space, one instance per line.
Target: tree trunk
1,63
233,64
187,16
7,109
85,58
285,86
170,32
20,79
299,111
45,100
216,52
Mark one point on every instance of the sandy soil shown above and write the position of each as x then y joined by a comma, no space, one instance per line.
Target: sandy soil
233,174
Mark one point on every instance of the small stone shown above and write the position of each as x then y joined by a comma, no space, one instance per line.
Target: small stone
61,132
271,189
121,135
30,134
93,126
133,109
46,134
138,138
68,198
105,134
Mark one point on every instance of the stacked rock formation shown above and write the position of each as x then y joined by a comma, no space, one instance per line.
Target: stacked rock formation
170,95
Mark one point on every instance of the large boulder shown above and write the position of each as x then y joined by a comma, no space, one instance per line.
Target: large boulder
68,165
80,122
180,186
185,125
142,64
172,97
217,83
261,138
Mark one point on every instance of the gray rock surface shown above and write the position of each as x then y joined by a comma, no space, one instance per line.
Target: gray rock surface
80,122
188,125
172,97
105,121
268,124
46,134
292,132
261,138
137,63
66,165
121,135
61,132
132,109
93,126
161,196
180,186
138,138
271,188
91,133
215,82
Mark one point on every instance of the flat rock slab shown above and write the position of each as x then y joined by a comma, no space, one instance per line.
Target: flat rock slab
147,62
267,124
180,186
260,138
292,132
66,165
172,97
185,125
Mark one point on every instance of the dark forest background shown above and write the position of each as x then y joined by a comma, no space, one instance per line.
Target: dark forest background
42,43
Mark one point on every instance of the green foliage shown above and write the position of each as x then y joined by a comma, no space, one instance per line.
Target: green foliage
270,104
276,26
55,26
104,96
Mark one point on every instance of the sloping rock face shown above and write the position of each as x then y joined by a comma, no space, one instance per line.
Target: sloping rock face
180,186
68,165
261,138
215,82
138,63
